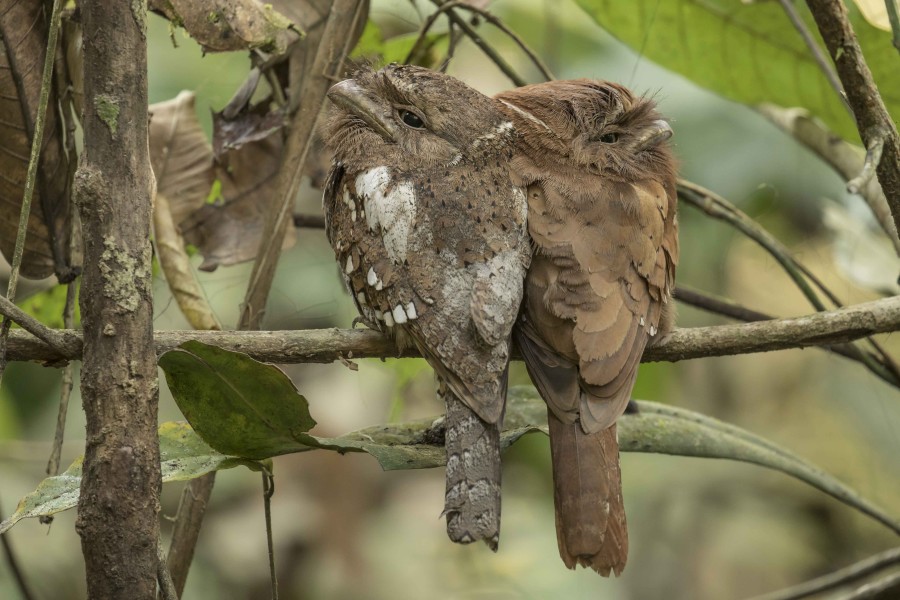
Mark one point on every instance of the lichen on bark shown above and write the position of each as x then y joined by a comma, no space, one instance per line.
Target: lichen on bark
107,109
122,274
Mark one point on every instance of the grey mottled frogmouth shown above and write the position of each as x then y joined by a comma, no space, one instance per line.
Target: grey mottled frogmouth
430,234
601,213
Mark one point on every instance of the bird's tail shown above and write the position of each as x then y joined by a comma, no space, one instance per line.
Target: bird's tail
472,500
590,514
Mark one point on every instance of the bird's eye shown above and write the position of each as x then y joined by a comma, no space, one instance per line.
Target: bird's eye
609,138
411,119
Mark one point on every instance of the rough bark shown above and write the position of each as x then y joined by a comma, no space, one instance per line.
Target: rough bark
331,345
119,503
872,118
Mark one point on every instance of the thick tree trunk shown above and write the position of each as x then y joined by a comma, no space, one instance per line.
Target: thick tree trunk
117,511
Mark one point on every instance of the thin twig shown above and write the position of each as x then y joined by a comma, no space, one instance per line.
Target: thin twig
452,43
883,589
821,60
715,206
841,155
31,176
894,17
718,305
493,20
483,46
68,382
191,509
163,577
14,567
419,45
871,115
268,482
832,581
873,157
446,7
65,343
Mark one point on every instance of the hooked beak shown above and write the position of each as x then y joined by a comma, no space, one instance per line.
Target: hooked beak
351,97
654,135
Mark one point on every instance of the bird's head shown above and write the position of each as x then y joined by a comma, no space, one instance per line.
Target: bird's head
407,117
601,126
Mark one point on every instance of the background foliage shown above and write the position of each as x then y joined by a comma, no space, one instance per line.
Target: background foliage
700,529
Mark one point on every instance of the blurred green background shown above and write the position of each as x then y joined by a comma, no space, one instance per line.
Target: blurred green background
700,529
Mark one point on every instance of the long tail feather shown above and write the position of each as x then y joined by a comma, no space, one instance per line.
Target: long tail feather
590,514
472,501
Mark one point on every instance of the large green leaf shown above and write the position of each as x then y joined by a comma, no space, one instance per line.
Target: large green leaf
746,51
183,456
231,398
239,406
656,428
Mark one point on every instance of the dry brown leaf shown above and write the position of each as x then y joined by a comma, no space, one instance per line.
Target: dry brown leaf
181,155
230,231
176,266
226,25
250,125
22,49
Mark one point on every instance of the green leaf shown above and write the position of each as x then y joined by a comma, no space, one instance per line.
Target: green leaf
373,45
183,456
657,428
746,51
246,408
239,406
663,429
419,444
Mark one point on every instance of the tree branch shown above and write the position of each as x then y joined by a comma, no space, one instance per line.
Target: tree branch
330,55
845,158
716,206
728,308
837,579
872,118
31,174
489,51
883,589
59,339
330,345
893,12
118,508
191,510
818,55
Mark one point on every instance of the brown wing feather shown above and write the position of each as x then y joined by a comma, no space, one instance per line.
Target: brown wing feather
604,283
598,291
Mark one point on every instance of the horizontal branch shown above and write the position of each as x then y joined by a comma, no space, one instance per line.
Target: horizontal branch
329,345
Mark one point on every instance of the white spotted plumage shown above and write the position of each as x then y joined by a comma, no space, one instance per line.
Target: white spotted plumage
390,207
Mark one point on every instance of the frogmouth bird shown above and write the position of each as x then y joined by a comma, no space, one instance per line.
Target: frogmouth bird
601,214
430,234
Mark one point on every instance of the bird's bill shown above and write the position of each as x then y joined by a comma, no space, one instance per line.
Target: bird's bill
351,97
658,132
